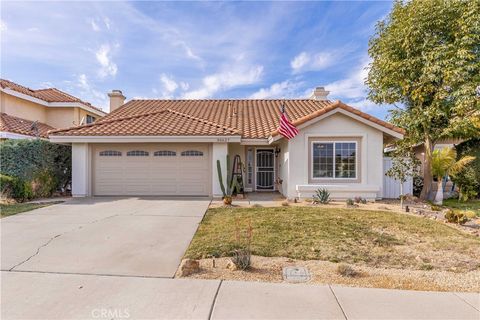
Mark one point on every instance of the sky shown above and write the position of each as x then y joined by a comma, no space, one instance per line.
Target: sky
192,50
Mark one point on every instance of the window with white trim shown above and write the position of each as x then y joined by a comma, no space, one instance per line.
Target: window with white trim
334,160
90,119
192,153
164,153
110,153
137,153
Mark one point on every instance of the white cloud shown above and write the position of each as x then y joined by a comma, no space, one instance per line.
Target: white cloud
299,61
107,66
3,26
107,22
312,61
351,87
88,92
94,25
284,89
226,80
168,83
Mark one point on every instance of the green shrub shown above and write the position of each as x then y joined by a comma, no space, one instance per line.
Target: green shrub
44,183
454,216
16,188
435,207
45,166
349,202
321,196
467,184
468,180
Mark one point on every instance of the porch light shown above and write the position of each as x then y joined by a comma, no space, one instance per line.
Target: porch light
277,151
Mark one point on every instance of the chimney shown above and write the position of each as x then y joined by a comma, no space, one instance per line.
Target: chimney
319,94
116,99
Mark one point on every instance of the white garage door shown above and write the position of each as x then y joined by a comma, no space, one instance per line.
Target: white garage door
151,169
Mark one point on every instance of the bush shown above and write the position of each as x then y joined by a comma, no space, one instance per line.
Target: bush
468,180
458,217
417,185
45,166
349,202
346,271
467,184
16,188
241,257
321,196
360,200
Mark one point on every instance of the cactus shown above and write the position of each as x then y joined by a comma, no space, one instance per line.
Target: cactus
227,191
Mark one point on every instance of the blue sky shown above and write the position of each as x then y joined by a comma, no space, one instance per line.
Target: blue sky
191,49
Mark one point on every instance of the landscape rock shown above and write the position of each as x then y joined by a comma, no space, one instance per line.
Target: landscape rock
188,267
231,266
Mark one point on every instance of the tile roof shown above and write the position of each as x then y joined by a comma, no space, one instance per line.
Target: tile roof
339,104
48,95
252,119
22,126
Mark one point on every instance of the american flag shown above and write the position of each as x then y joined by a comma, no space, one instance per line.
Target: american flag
286,129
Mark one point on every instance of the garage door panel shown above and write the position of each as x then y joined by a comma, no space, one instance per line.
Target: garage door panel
163,172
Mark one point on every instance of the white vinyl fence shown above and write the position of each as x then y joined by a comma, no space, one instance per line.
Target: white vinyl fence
391,187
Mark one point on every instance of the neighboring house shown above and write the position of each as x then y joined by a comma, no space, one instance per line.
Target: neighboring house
171,147
27,113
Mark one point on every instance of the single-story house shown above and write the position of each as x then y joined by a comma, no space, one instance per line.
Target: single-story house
171,147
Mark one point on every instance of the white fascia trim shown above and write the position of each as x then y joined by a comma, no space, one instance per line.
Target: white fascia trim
24,96
11,135
347,113
253,142
53,104
138,139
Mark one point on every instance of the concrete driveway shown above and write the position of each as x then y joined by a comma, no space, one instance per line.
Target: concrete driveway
144,237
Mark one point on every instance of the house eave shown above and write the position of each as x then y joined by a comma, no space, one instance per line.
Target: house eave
140,139
372,124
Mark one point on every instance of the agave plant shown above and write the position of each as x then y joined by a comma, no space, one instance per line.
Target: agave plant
444,163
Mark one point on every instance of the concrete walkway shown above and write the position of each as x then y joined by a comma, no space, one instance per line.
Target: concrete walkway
34,295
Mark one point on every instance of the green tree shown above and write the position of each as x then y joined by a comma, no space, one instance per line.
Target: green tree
426,61
404,166
445,163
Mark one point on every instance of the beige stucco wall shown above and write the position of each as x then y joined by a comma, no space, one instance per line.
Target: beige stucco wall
61,117
370,160
22,108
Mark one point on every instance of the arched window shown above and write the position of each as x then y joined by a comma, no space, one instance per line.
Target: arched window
164,153
137,153
110,153
192,153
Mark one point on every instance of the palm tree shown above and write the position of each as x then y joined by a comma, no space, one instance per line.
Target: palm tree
444,163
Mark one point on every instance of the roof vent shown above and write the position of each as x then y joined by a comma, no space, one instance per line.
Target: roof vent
319,94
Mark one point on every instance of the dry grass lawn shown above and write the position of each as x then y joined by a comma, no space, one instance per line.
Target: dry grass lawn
376,239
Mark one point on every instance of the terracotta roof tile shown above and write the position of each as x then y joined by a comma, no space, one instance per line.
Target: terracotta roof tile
48,95
252,119
22,126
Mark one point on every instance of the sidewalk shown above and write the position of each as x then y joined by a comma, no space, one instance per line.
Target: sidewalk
30,295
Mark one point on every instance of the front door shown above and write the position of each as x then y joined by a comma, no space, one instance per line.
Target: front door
265,166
